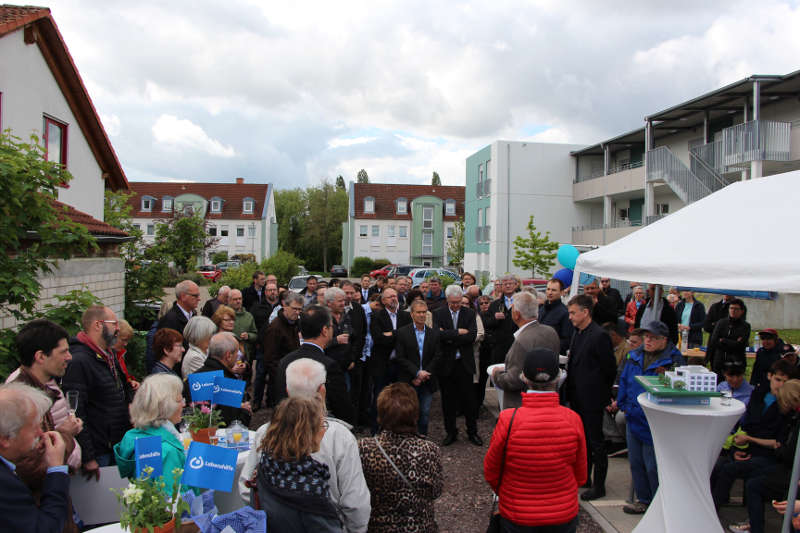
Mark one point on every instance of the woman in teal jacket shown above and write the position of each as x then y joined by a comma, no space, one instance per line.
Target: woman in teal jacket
156,408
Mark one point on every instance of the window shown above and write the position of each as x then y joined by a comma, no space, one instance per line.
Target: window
247,205
376,231
449,232
224,231
427,217
480,172
362,230
55,141
403,232
402,206
216,205
166,204
486,218
147,203
151,229
251,231
369,204
427,243
450,208
662,209
240,231
137,226
212,230
390,231
623,213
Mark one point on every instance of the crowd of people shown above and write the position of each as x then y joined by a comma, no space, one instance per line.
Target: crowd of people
340,359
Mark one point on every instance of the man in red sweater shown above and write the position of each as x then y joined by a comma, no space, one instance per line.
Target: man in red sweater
537,466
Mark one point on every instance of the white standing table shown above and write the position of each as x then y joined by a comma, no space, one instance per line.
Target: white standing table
687,441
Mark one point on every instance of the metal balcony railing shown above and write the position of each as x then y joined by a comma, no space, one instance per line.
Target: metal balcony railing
757,140
655,218
613,170
487,187
614,225
664,166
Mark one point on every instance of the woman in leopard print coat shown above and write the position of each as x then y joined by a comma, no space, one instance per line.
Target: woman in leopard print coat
401,501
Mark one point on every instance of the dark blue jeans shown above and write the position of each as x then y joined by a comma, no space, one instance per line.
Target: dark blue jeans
425,397
642,458
728,472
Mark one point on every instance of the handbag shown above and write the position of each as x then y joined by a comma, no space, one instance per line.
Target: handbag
494,518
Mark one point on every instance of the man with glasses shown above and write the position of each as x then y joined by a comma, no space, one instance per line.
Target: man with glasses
730,338
103,391
187,298
498,321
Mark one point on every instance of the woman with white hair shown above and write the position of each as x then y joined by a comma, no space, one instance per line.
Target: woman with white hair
197,333
156,408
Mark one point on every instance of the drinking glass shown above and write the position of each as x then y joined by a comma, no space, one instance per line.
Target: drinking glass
72,401
727,396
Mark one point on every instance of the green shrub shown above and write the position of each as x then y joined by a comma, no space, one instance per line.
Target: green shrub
135,355
380,263
235,278
219,257
175,278
283,265
360,266
444,278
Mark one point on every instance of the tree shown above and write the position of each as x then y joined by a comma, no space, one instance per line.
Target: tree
340,182
362,176
455,246
536,252
436,180
181,239
322,231
219,257
34,230
290,211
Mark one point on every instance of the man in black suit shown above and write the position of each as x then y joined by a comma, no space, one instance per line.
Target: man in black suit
378,288
254,294
366,283
22,408
457,328
418,356
591,370
358,333
613,295
187,298
603,309
383,329
316,328
499,322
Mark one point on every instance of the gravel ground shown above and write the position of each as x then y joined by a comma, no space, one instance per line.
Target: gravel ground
466,499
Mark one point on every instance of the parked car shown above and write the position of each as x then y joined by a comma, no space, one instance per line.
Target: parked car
301,270
338,271
383,271
402,270
210,272
298,283
418,275
539,284
225,265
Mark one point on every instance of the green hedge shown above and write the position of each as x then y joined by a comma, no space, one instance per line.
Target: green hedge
360,266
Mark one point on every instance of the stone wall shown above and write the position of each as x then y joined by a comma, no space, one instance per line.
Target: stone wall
104,277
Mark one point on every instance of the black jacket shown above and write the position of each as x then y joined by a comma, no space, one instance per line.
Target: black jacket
383,345
408,363
604,310
337,397
764,360
19,511
696,320
716,312
210,307
668,317
452,341
341,353
358,330
102,400
760,423
229,413
250,296
175,319
615,298
261,312
591,369
502,330
555,315
278,338
728,343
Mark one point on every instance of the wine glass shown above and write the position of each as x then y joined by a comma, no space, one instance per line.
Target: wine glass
72,401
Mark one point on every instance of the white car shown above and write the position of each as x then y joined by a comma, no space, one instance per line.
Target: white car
298,283
418,275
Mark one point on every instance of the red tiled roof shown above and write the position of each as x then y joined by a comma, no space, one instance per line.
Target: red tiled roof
385,195
40,28
232,194
95,227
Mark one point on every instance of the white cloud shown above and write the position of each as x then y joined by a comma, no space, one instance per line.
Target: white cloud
181,133
111,123
351,141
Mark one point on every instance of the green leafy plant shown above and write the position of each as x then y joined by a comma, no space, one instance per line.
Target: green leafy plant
455,246
283,265
182,239
444,278
144,503
219,257
203,417
360,266
380,263
236,278
536,252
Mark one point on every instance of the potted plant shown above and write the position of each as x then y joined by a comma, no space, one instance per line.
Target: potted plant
203,422
146,507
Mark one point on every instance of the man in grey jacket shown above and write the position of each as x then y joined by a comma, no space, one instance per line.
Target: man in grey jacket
338,450
531,334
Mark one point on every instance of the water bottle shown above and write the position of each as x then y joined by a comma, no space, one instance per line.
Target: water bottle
756,342
684,341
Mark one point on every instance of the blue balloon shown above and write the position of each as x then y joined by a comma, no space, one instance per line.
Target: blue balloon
565,275
568,255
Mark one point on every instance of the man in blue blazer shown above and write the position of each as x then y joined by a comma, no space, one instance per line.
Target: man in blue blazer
21,410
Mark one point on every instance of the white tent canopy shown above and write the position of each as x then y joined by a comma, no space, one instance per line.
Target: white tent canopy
743,237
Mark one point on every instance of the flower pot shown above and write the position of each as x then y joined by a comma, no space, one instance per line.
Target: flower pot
169,527
202,435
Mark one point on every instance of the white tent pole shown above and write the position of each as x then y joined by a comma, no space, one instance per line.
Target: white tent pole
787,517
576,276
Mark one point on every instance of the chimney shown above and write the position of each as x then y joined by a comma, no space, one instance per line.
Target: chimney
239,181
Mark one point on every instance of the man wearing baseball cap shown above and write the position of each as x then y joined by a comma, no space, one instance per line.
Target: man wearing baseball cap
656,355
548,440
771,350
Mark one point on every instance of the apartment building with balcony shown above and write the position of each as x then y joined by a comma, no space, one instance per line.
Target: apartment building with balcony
506,182
241,216
406,224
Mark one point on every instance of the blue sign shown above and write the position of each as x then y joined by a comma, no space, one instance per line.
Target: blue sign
228,391
209,467
201,385
148,453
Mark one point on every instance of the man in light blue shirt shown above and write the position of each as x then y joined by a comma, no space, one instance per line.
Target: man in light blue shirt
735,383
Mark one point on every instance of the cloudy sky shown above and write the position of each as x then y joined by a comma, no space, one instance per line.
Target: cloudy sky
292,93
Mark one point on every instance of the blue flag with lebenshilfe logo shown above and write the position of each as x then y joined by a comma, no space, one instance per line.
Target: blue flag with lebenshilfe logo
228,391
209,467
148,453
201,385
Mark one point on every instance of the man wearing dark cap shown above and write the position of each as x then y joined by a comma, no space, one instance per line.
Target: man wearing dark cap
548,439
771,350
655,356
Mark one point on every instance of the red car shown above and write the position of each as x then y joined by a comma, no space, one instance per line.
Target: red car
383,271
210,272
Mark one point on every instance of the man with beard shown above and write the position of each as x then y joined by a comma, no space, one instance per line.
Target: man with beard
554,314
103,392
730,338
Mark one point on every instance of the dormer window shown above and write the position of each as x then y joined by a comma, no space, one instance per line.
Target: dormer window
248,204
369,204
402,206
216,205
450,208
166,204
147,203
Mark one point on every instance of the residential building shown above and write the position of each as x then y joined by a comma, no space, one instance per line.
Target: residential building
41,93
406,224
241,216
